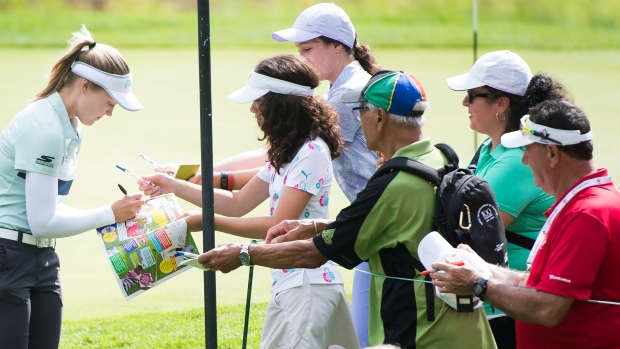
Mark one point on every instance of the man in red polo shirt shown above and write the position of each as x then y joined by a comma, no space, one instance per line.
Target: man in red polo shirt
571,296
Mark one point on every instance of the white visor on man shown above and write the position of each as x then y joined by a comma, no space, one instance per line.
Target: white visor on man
534,133
259,85
117,86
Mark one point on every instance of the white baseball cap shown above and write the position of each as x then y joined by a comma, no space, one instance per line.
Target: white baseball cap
259,85
325,19
501,70
117,86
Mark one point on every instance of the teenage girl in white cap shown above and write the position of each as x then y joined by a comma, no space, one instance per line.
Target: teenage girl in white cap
38,152
325,35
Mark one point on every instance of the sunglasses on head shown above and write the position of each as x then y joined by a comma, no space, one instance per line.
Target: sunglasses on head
523,127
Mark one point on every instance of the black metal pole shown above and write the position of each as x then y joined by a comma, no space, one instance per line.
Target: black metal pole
206,159
474,17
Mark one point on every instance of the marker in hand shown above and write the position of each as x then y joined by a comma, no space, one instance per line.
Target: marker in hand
122,189
187,255
134,175
157,166
457,263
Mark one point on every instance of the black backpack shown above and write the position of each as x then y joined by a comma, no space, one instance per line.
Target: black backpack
466,210
512,237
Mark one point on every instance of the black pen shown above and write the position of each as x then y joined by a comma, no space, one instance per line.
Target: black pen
122,189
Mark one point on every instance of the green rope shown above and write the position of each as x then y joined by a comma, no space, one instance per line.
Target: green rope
389,277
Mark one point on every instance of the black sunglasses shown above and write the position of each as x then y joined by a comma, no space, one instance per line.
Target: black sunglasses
471,96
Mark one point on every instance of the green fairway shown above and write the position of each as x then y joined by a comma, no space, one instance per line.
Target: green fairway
167,130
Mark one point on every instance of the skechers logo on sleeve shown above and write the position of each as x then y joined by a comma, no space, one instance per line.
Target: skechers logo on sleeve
45,161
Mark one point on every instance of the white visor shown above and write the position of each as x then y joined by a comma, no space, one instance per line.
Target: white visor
534,133
117,86
258,85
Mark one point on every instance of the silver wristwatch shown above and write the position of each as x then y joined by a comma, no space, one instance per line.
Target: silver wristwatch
244,255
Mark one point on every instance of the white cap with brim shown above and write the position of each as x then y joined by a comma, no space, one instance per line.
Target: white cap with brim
117,86
325,19
502,70
294,35
259,85
535,133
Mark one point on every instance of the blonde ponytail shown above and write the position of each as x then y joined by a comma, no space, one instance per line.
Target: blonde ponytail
83,48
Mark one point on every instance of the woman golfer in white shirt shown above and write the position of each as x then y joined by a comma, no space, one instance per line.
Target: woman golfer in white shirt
38,153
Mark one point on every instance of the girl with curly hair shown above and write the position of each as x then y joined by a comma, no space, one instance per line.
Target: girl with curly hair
308,308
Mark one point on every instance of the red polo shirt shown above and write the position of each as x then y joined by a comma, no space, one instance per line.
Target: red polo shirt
580,259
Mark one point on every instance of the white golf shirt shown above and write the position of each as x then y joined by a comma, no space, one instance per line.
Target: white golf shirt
41,138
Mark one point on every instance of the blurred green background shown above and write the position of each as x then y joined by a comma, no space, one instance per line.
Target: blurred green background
575,41
543,24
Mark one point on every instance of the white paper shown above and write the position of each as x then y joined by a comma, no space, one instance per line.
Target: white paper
434,248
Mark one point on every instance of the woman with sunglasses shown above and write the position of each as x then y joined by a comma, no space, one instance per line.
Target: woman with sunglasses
500,90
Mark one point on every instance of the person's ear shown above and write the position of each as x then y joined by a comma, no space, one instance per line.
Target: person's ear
84,85
381,119
503,103
381,115
337,48
553,154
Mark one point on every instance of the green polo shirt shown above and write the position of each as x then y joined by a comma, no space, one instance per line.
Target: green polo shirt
513,185
41,139
384,226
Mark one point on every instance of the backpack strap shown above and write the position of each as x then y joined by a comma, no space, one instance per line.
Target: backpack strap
419,169
409,165
429,291
474,161
520,240
450,154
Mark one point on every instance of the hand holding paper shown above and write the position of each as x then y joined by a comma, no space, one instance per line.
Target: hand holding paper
436,253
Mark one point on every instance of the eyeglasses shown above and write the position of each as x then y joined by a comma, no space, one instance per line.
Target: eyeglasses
471,96
524,129
361,107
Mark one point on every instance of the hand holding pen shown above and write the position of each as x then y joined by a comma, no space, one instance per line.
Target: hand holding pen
157,184
138,177
126,207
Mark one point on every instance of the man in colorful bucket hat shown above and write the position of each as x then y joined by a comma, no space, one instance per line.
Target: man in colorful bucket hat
382,226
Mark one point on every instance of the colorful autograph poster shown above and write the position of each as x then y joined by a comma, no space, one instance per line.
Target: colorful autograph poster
142,250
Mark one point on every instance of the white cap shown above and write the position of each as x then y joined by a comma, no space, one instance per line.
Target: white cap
324,19
117,86
259,85
534,133
501,70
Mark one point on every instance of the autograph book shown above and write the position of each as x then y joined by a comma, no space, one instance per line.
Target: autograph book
142,251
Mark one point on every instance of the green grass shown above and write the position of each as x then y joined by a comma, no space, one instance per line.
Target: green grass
167,130
520,24
172,329
573,40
